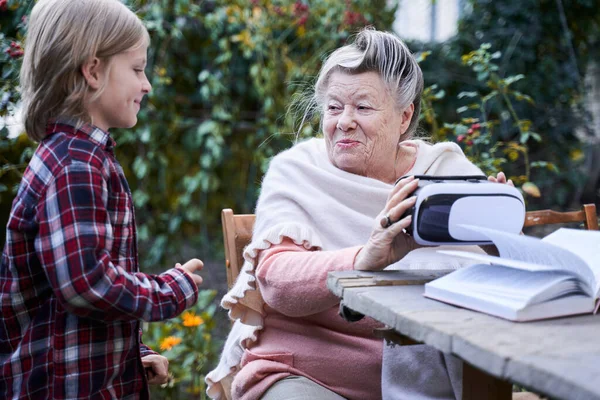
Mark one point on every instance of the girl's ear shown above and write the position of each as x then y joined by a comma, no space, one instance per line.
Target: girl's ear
92,71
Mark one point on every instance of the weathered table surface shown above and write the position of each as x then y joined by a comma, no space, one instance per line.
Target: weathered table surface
559,358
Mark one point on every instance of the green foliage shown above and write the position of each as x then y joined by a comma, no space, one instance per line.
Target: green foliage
14,152
223,73
477,133
534,41
12,24
189,346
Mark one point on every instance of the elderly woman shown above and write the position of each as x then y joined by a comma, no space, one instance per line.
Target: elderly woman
325,206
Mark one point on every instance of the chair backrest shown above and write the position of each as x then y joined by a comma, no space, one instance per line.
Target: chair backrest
237,233
587,215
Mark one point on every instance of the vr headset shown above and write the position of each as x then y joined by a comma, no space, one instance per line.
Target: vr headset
446,202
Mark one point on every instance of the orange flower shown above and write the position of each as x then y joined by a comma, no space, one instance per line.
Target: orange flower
169,342
190,319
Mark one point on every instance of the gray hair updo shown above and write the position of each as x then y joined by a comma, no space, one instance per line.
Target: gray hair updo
375,51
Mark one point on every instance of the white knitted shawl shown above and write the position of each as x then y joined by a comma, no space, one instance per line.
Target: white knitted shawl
307,199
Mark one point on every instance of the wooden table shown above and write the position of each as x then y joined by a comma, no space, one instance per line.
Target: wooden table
559,358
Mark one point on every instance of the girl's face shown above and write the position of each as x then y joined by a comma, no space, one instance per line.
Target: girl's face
125,87
362,125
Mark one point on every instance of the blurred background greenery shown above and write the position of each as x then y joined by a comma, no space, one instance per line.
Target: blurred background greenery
513,86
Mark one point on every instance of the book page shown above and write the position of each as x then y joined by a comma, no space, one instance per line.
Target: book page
532,250
513,288
584,243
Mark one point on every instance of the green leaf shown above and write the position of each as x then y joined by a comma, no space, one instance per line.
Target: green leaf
522,97
174,224
203,76
140,167
460,129
206,128
145,135
467,94
489,96
482,76
440,95
140,198
512,79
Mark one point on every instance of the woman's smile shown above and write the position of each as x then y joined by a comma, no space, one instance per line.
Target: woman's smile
347,143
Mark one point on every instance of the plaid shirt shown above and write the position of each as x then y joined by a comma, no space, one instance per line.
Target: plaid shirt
71,294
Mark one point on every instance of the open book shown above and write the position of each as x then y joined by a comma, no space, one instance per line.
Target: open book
532,279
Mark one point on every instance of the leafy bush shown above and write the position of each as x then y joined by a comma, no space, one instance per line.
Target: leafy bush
223,73
479,134
551,43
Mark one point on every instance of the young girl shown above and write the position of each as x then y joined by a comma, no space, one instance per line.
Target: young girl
71,294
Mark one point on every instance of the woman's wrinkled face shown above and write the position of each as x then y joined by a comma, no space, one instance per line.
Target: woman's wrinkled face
362,125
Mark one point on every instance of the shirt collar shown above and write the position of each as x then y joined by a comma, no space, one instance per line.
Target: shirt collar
89,131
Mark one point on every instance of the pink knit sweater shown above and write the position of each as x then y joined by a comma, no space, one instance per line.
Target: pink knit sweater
303,333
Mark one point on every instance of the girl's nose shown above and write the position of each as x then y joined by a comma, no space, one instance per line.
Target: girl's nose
146,86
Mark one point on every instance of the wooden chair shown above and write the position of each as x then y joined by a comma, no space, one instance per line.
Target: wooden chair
237,233
587,215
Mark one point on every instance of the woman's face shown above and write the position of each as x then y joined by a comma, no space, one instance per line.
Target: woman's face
362,125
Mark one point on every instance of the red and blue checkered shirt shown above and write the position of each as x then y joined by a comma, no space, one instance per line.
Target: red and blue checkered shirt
71,294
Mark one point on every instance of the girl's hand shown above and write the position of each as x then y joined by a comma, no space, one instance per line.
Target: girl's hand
157,369
190,267
389,243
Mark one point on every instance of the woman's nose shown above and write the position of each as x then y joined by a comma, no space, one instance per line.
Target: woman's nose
346,121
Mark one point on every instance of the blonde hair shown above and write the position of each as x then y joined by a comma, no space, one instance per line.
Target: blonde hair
62,35
374,51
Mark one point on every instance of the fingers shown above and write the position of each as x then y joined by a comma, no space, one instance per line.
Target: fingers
155,379
157,369
150,374
197,279
193,265
403,189
396,212
400,192
501,178
398,201
398,228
